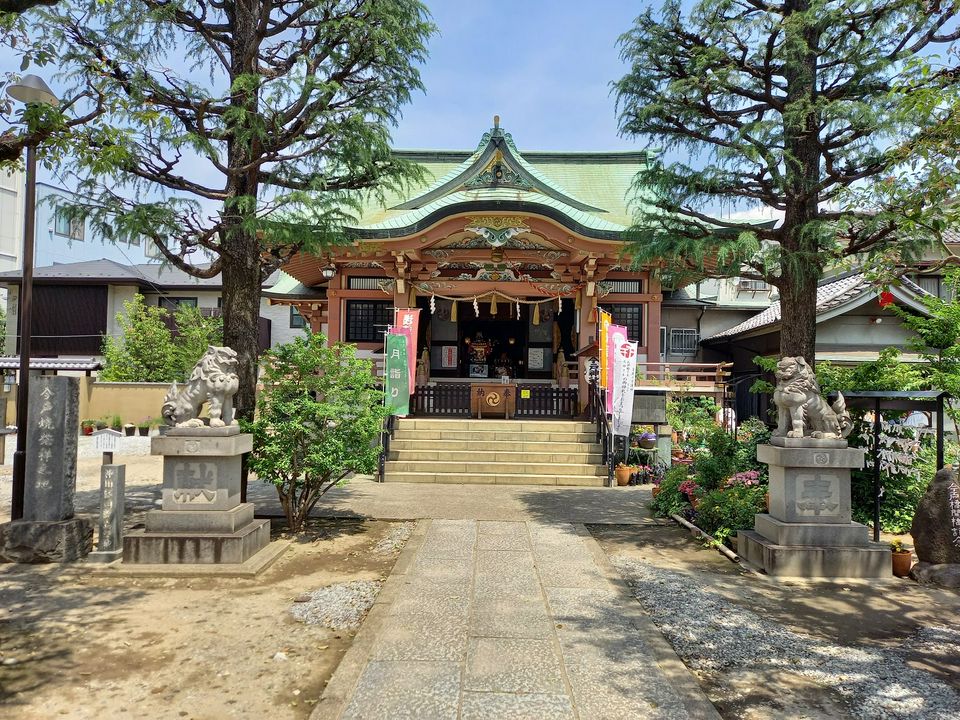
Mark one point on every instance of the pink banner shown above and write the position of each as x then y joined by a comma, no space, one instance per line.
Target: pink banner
616,336
409,319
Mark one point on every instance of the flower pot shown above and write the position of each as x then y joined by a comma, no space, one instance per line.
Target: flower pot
656,490
648,443
87,429
129,430
144,431
902,560
622,473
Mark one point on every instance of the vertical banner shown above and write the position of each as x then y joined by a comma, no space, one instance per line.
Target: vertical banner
603,326
396,375
624,376
616,336
409,318
411,359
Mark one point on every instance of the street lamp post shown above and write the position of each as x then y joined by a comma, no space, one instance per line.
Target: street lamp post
30,89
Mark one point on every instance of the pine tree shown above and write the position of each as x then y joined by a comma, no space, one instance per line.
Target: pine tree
798,107
242,130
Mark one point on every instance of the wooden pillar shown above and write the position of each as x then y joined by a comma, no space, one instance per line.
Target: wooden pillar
653,321
334,311
588,330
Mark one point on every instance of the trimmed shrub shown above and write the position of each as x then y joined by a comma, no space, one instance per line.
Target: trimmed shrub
671,500
722,512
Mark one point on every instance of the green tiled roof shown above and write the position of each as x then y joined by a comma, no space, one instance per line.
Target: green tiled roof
592,190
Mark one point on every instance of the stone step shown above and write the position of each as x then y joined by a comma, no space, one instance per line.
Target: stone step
472,446
469,454
498,479
494,468
495,425
496,435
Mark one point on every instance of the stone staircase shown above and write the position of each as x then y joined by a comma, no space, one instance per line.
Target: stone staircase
495,452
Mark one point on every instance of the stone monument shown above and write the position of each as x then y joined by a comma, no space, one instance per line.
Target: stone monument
201,520
48,531
113,480
808,530
936,532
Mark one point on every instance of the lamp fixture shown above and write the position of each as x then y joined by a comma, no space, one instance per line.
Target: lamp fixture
32,89
328,272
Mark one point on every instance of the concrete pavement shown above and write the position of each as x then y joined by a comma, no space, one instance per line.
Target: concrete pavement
508,620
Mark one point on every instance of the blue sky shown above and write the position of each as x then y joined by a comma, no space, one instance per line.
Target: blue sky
544,66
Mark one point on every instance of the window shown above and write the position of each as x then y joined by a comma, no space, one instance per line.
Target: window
367,320
935,285
663,341
624,286
66,226
753,285
365,283
684,341
631,317
172,303
296,319
151,250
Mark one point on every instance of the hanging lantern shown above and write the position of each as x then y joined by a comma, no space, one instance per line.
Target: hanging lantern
886,298
433,304
536,313
493,305
453,311
412,302
476,308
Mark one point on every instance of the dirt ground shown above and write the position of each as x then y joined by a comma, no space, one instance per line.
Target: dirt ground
855,612
77,644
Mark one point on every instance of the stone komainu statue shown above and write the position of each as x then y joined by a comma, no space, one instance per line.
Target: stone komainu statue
802,412
215,381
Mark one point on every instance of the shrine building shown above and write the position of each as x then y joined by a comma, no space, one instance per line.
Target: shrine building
507,254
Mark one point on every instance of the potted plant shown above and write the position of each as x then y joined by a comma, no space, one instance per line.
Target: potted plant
689,488
623,473
902,559
87,426
143,427
116,423
129,429
101,424
647,440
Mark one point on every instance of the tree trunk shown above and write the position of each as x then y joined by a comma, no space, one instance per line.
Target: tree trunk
800,261
241,314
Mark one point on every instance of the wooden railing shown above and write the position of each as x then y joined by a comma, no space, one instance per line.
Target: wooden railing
444,399
546,401
680,375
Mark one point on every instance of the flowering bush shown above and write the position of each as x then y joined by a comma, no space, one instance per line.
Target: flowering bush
747,478
650,474
688,487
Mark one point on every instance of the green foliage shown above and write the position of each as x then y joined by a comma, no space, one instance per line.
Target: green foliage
318,416
147,351
722,513
691,415
670,500
195,333
144,351
713,467
781,106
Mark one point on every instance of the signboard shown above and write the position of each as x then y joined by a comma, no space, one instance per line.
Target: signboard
525,394
535,358
624,374
448,356
411,360
408,320
397,375
107,440
616,336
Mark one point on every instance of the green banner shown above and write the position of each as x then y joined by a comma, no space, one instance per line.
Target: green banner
397,375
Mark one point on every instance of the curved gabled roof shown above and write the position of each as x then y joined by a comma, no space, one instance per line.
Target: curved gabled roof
586,192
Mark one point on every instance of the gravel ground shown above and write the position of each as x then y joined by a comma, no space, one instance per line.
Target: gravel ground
395,540
341,606
713,634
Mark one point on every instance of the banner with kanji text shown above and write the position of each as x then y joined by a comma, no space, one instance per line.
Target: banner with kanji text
397,375
624,376
616,336
409,319
603,326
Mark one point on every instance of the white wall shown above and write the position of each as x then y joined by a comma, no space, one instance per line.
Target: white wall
11,219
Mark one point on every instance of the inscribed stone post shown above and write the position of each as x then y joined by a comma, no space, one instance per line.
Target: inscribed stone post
51,462
112,485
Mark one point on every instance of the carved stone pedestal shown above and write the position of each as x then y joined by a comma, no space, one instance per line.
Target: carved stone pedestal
808,531
202,520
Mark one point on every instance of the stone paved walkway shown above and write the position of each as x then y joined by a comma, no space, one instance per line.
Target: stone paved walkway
508,621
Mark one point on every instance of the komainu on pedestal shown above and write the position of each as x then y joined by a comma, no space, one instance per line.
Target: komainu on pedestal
808,530
201,520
